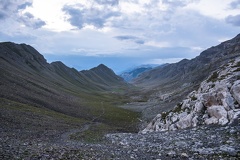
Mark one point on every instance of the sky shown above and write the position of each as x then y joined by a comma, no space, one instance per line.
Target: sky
119,33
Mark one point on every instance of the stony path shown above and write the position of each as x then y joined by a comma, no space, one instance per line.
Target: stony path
197,143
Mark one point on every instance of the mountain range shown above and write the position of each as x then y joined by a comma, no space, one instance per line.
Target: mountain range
134,72
48,110
164,87
27,78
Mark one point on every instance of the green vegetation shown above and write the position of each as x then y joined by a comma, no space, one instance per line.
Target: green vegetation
43,97
213,77
164,115
104,118
94,134
177,109
104,109
34,118
237,65
193,98
237,70
213,85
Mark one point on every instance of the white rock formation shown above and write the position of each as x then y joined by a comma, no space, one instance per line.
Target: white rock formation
217,101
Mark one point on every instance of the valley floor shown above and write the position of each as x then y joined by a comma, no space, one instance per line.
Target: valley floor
211,142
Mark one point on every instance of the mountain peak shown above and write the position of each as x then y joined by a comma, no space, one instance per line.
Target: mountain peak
103,74
102,68
19,54
102,65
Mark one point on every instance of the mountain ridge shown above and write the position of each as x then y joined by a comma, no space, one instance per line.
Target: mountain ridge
48,109
132,73
27,78
216,101
165,87
103,74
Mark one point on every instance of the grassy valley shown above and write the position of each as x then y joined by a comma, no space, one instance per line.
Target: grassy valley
51,111
40,97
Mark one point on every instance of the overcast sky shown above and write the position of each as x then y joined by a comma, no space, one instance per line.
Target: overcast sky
119,33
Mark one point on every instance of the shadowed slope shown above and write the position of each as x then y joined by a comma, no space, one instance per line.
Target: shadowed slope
27,78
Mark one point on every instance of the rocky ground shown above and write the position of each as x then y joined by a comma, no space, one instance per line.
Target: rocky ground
204,142
217,101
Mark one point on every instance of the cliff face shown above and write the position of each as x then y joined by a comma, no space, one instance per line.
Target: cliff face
217,101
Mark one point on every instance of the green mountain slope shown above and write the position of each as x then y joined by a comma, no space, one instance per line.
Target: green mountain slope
28,81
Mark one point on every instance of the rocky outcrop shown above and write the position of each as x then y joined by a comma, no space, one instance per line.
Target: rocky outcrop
177,80
217,101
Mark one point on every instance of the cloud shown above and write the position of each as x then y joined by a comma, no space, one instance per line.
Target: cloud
4,5
163,60
2,15
214,9
139,41
29,20
14,5
12,10
108,2
126,37
158,44
235,4
131,38
234,20
81,16
76,17
179,3
24,5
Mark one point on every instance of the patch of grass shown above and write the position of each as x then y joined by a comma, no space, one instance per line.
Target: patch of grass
213,77
177,109
31,117
237,65
193,98
93,134
237,70
213,85
103,107
165,114
231,61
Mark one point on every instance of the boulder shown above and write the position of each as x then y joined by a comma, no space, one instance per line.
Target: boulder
173,127
236,91
223,121
174,118
212,120
195,121
209,99
198,107
217,112
185,122
227,101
